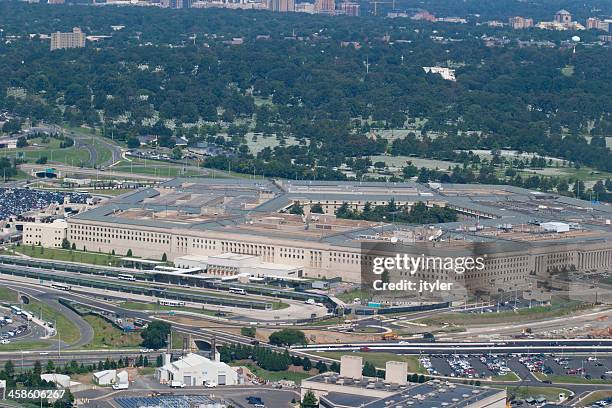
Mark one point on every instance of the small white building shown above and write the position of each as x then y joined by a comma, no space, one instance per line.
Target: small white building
60,380
196,370
555,226
123,377
106,377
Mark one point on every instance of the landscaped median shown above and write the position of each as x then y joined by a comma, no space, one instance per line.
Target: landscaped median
570,379
551,394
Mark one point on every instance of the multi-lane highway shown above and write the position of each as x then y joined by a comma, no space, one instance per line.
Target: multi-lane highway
530,346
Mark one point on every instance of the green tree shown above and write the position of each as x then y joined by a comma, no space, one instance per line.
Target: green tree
369,370
65,244
177,154
155,335
133,143
248,331
296,208
12,126
309,401
22,142
129,253
317,209
287,337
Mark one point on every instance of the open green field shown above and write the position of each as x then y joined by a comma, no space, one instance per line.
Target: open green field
108,336
68,255
71,155
559,307
156,169
379,359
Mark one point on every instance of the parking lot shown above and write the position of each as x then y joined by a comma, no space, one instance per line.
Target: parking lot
494,366
16,201
12,328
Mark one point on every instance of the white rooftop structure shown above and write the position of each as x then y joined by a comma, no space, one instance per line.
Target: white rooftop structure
105,377
60,380
196,370
554,226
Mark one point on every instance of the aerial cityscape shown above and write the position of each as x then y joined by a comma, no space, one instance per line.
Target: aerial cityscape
305,203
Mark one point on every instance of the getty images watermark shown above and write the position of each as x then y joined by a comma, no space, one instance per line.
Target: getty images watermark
405,264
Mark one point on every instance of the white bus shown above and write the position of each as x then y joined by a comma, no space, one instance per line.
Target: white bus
125,276
16,310
237,291
26,315
168,302
60,286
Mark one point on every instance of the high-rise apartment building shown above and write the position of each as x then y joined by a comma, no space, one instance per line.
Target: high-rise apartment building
325,6
350,8
282,6
75,39
594,23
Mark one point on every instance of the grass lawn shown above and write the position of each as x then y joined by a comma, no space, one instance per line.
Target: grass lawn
570,379
511,376
559,307
68,331
297,377
146,370
379,359
155,307
94,258
594,397
104,154
279,305
25,345
550,393
108,336
348,297
113,191
72,156
7,295
154,168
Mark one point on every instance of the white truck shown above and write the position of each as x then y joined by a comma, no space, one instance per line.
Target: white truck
177,384
121,386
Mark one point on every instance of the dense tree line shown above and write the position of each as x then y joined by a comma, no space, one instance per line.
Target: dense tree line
418,213
174,66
